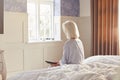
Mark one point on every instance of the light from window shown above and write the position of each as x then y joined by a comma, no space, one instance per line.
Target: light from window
41,21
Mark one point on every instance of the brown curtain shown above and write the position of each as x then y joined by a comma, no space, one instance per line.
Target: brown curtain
104,15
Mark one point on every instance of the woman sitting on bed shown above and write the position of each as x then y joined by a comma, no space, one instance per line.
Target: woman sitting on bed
73,51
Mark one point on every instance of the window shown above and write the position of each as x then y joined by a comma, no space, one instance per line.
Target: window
41,21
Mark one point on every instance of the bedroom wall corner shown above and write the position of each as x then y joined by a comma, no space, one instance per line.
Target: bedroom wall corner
85,26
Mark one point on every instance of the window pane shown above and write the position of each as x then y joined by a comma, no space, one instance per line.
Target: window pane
41,26
46,21
32,21
45,9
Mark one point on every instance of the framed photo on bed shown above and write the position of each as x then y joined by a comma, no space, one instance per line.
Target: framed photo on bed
1,16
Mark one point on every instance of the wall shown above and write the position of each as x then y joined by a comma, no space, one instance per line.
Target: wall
85,34
85,26
70,8
19,54
84,7
15,6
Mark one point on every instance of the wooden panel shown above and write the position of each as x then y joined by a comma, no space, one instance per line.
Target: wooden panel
33,58
14,27
52,54
14,58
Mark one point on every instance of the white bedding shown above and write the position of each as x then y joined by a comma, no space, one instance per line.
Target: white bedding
93,70
104,59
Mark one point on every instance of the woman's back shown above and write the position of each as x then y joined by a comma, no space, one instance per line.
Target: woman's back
73,52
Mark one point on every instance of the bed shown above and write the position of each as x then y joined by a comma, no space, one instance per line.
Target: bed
92,68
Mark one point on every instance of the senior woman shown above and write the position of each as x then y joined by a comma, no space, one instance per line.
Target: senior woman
73,50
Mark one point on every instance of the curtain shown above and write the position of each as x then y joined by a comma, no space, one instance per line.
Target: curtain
104,19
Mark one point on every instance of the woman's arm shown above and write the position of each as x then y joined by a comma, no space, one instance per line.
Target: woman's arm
54,65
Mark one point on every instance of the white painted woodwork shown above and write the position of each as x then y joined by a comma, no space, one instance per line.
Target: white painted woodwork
13,27
33,58
52,54
19,54
14,59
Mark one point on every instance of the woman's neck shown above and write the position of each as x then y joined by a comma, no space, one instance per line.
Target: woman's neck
73,38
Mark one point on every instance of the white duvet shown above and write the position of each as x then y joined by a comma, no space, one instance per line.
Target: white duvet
86,71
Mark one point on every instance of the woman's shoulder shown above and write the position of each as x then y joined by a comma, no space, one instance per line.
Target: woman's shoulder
78,40
67,42
72,41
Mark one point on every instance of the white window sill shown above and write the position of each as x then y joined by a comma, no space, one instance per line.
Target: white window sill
52,41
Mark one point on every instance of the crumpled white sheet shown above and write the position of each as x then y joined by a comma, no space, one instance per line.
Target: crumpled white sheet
94,71
93,68
108,59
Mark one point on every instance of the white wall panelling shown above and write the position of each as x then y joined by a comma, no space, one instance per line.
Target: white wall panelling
19,54
14,58
52,54
33,57
86,34
13,27
84,8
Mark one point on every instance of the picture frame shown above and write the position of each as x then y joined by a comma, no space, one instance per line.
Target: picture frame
1,16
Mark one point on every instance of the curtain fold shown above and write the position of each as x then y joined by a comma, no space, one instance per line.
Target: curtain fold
104,19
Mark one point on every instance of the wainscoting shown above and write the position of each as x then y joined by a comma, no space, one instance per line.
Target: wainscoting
21,55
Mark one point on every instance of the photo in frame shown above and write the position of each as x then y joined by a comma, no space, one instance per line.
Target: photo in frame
1,16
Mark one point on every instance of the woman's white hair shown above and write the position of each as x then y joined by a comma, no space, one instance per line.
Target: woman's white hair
70,29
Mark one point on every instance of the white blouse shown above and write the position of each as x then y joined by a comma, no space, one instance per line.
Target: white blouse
73,52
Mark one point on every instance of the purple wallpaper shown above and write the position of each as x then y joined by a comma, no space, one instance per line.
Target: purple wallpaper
15,5
62,7
70,8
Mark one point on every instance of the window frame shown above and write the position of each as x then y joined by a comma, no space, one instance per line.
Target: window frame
45,39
